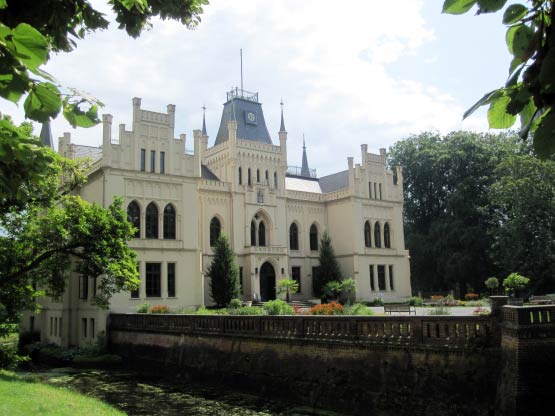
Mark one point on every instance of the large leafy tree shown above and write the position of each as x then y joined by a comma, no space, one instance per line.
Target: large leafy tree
223,273
329,269
529,92
446,183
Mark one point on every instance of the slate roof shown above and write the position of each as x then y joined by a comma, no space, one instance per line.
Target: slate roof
206,173
94,153
237,109
334,182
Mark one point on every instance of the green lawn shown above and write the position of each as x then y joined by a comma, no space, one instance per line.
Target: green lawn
22,396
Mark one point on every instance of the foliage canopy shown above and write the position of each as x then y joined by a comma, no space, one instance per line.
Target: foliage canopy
223,273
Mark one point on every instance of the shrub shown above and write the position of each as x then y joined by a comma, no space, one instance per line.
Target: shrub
235,303
492,283
143,308
159,309
357,309
471,296
415,301
449,300
333,308
203,310
278,307
247,310
439,310
514,283
377,302
9,358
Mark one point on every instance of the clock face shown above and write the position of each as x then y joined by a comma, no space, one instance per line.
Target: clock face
251,117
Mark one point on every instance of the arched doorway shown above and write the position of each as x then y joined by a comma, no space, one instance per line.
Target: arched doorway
267,282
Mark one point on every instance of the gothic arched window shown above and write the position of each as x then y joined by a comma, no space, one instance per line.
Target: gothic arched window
261,234
377,235
293,237
386,236
169,222
151,221
249,180
215,229
253,233
257,175
275,180
367,235
134,217
240,176
313,237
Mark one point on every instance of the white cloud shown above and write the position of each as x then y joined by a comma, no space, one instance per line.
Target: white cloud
327,60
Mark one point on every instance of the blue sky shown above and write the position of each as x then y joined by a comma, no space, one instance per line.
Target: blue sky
349,72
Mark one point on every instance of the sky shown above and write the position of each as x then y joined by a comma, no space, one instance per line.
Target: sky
349,73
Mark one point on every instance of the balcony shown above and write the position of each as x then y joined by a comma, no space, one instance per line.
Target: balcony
268,250
245,95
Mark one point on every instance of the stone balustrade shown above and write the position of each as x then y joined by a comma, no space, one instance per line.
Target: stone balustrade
441,331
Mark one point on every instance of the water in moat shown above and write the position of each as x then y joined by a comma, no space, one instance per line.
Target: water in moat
139,394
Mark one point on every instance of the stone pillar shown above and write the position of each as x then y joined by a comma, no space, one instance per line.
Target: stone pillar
497,302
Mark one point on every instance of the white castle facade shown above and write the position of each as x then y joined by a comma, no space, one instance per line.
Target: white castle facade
273,214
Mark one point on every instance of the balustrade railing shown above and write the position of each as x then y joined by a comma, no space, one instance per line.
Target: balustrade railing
446,331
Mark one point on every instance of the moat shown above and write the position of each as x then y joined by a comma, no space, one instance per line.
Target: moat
140,394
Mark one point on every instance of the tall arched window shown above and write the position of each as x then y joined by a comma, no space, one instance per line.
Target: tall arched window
377,235
293,237
257,175
275,180
313,237
215,229
267,178
261,234
367,235
169,222
151,221
386,236
249,181
134,217
253,233
240,176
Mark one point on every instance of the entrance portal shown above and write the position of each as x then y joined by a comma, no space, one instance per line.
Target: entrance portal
267,282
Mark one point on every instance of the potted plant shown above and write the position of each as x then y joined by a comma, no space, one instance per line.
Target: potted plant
514,284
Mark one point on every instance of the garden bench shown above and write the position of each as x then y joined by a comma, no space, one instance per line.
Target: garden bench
399,307
540,300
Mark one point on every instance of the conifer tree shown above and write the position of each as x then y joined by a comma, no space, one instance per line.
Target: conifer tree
329,268
223,273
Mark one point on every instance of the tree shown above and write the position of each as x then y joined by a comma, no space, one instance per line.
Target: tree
530,88
288,286
514,283
329,268
492,283
223,273
523,212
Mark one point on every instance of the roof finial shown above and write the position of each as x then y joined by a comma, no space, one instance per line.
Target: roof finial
241,55
204,121
282,126
305,171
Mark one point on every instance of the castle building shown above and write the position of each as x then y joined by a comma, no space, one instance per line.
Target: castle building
274,214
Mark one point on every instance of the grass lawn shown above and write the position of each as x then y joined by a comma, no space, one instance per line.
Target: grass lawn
24,396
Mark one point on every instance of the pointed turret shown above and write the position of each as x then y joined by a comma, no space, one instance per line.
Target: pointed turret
282,125
204,121
46,135
305,171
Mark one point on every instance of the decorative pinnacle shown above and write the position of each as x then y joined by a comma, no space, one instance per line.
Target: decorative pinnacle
204,121
282,126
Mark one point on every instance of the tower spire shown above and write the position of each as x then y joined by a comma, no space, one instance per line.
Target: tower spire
46,135
204,121
305,171
282,126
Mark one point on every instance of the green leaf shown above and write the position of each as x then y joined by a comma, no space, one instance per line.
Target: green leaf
3,4
486,99
498,117
513,79
514,13
547,73
79,118
43,102
544,137
526,116
520,96
13,89
490,6
518,40
457,6
30,45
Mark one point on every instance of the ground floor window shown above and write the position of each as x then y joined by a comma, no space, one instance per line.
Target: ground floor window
84,327
315,271
296,276
153,280
372,284
381,277
241,279
92,327
391,286
171,280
